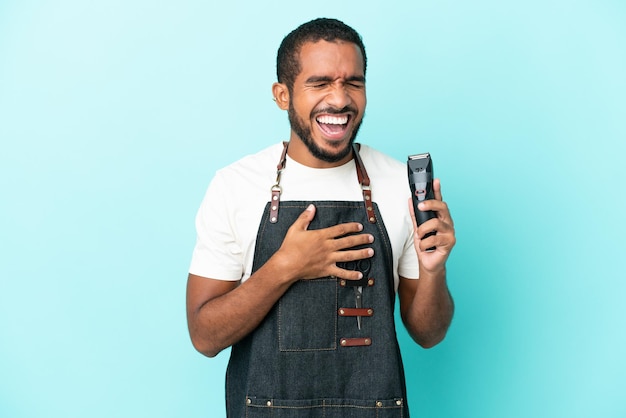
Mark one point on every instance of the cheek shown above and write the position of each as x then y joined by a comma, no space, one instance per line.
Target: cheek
362,100
303,107
358,99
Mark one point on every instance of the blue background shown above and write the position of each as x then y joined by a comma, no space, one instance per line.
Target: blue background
114,115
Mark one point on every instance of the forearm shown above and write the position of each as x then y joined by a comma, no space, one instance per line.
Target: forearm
224,320
428,315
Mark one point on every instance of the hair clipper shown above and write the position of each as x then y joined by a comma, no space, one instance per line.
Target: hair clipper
420,170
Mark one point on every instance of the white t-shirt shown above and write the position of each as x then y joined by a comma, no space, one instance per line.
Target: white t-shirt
229,216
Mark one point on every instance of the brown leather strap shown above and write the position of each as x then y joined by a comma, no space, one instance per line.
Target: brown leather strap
276,189
355,311
355,342
364,180
370,282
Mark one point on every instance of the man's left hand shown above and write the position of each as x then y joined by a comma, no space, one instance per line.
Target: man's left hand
444,240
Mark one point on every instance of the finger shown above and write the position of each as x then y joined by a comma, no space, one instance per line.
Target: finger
305,218
427,228
340,230
442,242
353,255
437,189
434,205
352,241
346,274
439,207
347,256
427,244
435,225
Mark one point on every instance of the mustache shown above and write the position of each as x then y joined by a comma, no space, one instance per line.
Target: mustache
335,111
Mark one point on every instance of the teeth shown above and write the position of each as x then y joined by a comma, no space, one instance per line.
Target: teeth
333,120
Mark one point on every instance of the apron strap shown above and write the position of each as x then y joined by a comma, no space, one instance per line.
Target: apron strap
364,181
361,173
276,189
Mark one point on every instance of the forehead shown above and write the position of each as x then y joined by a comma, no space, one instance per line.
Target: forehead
337,59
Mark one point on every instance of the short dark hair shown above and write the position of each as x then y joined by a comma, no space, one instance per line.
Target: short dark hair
330,30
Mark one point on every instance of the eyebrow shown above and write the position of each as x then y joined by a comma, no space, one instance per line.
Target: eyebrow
326,79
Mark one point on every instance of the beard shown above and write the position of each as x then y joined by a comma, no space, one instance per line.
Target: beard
304,133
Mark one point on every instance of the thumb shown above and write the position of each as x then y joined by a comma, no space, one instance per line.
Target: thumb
306,217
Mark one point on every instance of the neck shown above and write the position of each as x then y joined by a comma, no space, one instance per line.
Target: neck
299,151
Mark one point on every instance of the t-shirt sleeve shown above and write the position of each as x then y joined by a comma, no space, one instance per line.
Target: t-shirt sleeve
217,254
408,264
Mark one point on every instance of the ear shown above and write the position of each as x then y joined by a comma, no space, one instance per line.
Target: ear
281,95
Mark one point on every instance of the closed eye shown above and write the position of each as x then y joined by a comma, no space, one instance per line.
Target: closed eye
356,82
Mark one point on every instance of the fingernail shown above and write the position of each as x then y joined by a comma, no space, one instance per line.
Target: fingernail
310,207
370,252
420,206
360,227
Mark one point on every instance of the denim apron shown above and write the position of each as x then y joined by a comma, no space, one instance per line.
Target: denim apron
308,358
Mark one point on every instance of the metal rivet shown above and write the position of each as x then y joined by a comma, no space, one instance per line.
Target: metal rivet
370,282
367,341
372,219
367,198
379,404
343,341
274,197
342,283
370,312
399,402
269,403
273,207
248,401
274,219
341,311
369,208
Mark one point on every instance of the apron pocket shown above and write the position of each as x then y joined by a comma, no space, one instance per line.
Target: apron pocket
307,316
324,408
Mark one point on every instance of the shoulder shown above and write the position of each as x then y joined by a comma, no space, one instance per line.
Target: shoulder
244,184
254,165
382,167
378,160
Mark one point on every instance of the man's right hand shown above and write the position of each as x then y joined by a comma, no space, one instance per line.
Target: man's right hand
310,254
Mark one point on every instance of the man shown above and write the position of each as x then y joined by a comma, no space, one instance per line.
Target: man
294,267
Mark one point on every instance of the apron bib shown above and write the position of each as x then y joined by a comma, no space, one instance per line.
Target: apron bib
308,358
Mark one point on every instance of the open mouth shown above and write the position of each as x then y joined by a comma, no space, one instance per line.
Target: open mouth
333,126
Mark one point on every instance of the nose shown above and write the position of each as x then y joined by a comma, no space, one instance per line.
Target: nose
339,96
